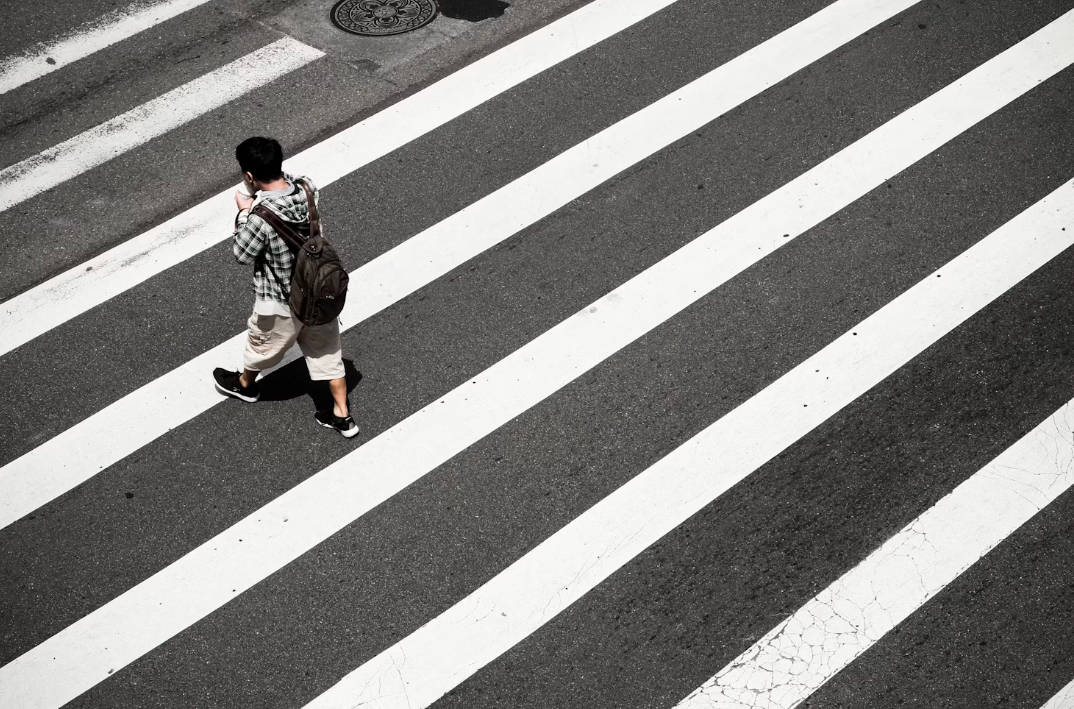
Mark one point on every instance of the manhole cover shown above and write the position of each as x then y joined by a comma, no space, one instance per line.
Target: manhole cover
374,18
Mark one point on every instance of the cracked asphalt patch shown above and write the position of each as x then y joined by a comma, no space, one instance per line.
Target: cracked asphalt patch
803,652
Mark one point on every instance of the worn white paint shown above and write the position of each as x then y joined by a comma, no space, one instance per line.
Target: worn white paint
83,287
442,653
795,658
1063,699
125,426
139,125
116,26
618,528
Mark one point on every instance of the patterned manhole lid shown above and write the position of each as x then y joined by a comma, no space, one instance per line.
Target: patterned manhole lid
374,18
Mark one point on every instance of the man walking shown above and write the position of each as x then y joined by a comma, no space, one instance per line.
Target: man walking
273,327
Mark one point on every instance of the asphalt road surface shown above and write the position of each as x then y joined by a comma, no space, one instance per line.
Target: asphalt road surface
706,354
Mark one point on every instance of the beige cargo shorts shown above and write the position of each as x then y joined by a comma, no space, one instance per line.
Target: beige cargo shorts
270,336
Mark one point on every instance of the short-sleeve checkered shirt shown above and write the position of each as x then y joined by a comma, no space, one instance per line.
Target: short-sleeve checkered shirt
256,242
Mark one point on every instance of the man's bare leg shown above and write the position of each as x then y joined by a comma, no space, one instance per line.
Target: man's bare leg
339,394
337,386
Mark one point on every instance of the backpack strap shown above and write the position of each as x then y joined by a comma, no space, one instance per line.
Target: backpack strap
311,207
285,230
288,231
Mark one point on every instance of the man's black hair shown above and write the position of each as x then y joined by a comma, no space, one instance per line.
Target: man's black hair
261,157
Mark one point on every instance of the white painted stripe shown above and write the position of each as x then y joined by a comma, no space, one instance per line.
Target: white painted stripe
208,577
799,655
127,131
75,291
1063,699
434,659
91,37
123,427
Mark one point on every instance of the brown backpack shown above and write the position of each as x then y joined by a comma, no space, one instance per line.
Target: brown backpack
318,287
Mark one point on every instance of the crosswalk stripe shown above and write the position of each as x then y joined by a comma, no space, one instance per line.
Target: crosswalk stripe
54,302
92,37
441,654
1063,699
122,630
139,125
800,654
121,428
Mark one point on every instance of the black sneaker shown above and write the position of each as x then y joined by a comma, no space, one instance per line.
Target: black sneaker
228,384
344,424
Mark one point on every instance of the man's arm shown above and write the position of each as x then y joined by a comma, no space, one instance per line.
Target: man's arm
249,237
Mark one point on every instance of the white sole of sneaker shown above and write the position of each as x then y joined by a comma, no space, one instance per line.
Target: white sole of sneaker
235,394
346,434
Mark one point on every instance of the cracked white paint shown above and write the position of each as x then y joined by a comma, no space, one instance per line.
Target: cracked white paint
806,650
116,26
1063,699
139,125
178,396
75,291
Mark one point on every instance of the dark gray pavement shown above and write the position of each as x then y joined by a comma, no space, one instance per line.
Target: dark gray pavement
690,604
1001,634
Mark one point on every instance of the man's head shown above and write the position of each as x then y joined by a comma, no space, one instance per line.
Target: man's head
261,159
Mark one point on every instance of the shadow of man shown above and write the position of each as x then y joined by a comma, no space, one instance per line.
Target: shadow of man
293,380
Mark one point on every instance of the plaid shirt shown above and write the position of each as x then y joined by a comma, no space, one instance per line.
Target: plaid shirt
256,242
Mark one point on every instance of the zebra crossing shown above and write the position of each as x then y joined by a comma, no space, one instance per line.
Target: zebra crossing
93,147
439,249
569,420
47,57
73,292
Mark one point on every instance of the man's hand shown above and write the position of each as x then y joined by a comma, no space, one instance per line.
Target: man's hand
243,201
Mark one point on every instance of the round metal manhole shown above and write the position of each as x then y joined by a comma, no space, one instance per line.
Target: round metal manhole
376,18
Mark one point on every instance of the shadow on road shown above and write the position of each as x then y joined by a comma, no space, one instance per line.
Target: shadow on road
293,381
472,10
